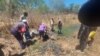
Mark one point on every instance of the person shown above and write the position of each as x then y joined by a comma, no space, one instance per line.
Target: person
89,15
27,32
86,36
52,24
42,30
17,31
24,16
59,26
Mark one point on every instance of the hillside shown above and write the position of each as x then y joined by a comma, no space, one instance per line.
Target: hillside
60,45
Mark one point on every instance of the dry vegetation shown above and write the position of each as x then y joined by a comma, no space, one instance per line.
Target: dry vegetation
62,46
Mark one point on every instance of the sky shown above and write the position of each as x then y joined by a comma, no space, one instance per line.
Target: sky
80,2
68,2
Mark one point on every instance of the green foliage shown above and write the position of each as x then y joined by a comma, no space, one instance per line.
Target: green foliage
42,7
57,5
12,6
74,8
2,5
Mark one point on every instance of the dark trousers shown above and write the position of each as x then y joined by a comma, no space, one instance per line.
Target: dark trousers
59,30
52,27
19,38
27,35
41,33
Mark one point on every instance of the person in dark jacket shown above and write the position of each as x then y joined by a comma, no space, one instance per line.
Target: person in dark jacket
17,31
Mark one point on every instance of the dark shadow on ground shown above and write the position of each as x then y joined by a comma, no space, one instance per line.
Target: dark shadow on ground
28,43
45,37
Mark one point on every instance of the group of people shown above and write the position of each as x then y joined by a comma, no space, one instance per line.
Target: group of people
59,25
21,29
85,35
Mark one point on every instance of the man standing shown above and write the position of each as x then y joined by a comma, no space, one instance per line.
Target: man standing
59,26
52,24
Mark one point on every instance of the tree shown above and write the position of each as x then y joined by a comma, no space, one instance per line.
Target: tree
57,5
42,7
74,8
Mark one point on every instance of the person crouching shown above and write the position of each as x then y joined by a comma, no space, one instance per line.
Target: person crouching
17,31
42,30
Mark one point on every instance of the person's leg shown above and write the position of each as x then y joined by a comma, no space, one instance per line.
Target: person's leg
20,40
52,28
40,33
60,29
22,44
83,44
27,35
83,39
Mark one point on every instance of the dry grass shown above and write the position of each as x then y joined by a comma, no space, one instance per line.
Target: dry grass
34,21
